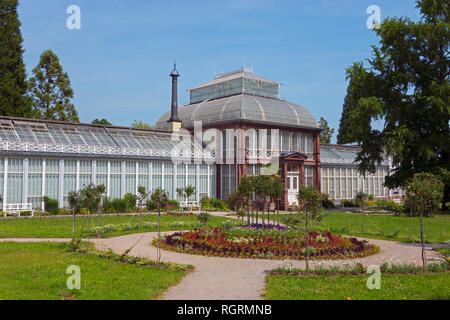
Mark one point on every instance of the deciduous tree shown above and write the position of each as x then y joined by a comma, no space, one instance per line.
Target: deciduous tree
424,193
406,86
310,203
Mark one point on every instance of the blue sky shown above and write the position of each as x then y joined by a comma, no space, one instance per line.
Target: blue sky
120,60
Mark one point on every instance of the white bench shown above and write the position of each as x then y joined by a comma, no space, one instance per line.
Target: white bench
17,208
184,204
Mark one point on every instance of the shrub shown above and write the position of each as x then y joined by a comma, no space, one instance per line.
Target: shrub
151,206
214,204
349,204
172,205
64,211
327,203
119,205
204,218
51,205
396,208
107,206
131,201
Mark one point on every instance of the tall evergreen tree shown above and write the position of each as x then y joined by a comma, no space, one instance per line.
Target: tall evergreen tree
406,85
327,132
51,91
13,86
361,85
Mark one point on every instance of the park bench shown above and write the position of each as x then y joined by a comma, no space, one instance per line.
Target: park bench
17,208
184,204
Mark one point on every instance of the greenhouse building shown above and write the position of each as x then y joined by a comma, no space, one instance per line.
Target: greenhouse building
235,125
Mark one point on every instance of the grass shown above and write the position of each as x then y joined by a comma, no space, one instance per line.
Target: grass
38,271
437,229
62,227
429,286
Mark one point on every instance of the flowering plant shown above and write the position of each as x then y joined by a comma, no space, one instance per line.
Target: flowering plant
217,242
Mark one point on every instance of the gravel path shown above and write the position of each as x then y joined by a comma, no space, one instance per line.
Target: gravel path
236,279
217,278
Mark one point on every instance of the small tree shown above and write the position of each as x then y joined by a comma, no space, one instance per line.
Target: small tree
264,189
204,218
89,199
241,214
180,194
236,200
276,191
142,196
245,189
424,192
310,202
160,199
360,199
189,191
259,188
74,205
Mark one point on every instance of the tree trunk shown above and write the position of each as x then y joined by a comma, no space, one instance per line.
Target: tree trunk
248,211
446,198
73,223
422,239
253,211
158,254
87,231
278,211
140,217
257,209
307,243
263,202
410,222
363,223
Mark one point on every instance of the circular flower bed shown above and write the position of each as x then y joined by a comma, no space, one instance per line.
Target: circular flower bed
266,242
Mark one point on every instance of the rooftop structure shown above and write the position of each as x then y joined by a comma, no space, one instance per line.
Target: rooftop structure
242,81
32,136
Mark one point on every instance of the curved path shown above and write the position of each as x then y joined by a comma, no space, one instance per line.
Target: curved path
242,279
217,278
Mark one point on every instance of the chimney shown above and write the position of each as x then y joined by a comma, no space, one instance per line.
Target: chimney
174,121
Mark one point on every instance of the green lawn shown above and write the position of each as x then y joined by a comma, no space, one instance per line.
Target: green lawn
342,287
437,229
62,227
38,271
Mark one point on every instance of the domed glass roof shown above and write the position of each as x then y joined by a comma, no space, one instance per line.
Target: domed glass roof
242,107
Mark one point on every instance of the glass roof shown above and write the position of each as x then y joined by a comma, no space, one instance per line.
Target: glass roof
340,154
243,107
233,83
86,138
